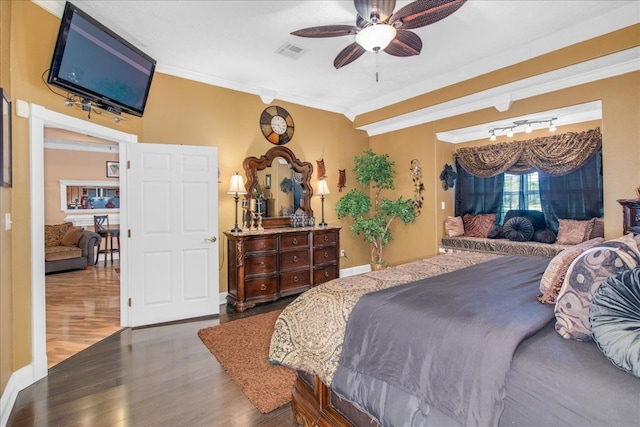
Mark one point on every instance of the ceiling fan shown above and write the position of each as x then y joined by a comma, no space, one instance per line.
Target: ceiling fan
379,28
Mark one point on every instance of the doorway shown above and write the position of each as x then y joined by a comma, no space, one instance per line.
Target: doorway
41,118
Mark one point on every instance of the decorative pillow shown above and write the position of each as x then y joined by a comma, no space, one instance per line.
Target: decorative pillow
630,241
585,275
598,228
518,229
553,277
614,316
544,236
454,226
572,232
72,236
496,232
53,234
478,225
536,217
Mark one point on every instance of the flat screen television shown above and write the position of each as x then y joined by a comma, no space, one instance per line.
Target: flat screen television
94,63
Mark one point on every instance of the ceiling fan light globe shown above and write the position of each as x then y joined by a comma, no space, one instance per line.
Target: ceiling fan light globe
376,37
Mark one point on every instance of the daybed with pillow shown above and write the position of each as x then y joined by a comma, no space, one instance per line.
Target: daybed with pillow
461,339
524,232
68,247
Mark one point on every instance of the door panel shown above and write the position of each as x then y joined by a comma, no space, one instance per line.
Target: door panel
173,217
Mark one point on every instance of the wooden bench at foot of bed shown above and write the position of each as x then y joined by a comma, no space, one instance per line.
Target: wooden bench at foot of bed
314,404
502,246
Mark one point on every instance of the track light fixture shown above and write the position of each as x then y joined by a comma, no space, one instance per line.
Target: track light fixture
516,124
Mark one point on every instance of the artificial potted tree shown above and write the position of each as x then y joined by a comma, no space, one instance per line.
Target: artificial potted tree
373,216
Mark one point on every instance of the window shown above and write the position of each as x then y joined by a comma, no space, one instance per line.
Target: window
521,192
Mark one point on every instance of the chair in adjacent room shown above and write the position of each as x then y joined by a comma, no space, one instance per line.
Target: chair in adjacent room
101,226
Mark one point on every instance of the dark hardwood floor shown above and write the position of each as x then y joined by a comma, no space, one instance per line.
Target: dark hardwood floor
155,376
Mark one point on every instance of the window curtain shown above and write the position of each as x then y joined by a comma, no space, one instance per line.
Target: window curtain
575,195
478,195
552,155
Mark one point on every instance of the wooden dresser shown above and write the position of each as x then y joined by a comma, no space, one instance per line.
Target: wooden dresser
274,263
630,216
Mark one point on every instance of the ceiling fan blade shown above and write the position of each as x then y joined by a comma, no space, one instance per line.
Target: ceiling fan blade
424,12
375,10
405,43
348,55
326,31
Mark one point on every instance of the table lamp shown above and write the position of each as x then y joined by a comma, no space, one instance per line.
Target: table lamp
236,187
323,189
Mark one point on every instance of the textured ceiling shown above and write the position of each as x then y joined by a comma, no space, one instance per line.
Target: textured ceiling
235,44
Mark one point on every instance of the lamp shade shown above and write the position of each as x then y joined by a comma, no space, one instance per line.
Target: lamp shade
323,188
376,37
237,185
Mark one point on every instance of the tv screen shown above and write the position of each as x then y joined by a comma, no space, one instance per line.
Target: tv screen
93,62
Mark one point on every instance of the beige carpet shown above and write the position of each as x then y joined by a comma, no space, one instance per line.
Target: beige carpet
242,348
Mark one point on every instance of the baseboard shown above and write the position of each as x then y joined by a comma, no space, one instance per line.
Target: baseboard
19,380
352,271
222,299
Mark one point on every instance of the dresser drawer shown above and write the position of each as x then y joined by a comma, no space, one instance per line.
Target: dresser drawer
261,244
294,260
260,265
295,279
321,238
292,241
323,255
324,274
260,287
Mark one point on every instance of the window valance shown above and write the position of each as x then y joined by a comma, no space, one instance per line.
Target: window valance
553,155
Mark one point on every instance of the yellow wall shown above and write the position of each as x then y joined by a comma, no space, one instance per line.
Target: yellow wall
186,112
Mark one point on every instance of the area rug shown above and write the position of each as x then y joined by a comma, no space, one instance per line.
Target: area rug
242,348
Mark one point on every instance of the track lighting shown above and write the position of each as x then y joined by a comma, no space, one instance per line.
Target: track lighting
516,124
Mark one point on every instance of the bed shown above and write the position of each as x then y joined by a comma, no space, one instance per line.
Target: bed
353,343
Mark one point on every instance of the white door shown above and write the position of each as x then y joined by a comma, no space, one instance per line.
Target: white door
173,224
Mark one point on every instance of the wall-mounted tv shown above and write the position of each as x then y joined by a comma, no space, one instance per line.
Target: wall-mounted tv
96,64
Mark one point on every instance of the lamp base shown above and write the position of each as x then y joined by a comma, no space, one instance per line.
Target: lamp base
236,229
322,224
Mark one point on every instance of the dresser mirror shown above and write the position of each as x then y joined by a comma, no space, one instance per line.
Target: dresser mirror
279,183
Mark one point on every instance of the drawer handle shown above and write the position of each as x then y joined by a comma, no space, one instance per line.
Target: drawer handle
295,241
326,274
326,238
261,263
326,254
295,279
263,287
295,258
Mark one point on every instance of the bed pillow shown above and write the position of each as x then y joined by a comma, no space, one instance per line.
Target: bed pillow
572,232
496,232
614,315
553,277
453,226
478,225
544,236
598,228
586,273
518,229
629,240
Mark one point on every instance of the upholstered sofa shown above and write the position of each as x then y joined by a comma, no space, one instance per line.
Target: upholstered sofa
68,247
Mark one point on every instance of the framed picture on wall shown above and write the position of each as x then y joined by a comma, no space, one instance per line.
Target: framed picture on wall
113,169
5,142
267,181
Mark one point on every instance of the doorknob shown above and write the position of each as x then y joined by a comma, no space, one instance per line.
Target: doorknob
213,239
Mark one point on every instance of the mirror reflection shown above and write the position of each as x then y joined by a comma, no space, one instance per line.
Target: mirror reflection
278,185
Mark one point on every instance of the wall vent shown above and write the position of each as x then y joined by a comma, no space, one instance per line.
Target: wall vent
291,51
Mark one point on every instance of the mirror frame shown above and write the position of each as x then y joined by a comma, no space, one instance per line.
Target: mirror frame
252,165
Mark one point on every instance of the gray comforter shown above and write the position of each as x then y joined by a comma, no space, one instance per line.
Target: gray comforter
438,350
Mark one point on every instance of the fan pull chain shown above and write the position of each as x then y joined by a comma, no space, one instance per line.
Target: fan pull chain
377,66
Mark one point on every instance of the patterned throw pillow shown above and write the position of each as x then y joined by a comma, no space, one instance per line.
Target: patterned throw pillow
53,234
553,277
518,229
585,275
478,225
72,236
454,226
572,232
598,228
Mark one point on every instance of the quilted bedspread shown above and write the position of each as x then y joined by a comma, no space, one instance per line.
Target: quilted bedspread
309,332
